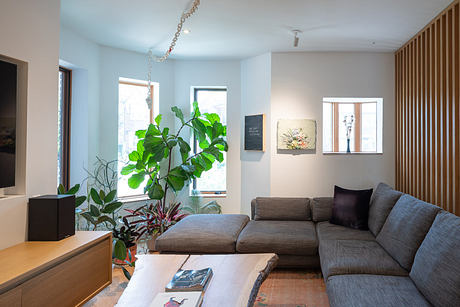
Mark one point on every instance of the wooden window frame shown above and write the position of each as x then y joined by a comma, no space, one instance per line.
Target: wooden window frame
195,147
139,197
66,125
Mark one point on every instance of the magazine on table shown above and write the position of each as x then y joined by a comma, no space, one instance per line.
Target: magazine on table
177,299
189,280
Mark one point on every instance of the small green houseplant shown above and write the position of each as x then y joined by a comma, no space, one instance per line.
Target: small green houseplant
153,161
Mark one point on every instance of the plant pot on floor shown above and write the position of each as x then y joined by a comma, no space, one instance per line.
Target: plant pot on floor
130,256
151,242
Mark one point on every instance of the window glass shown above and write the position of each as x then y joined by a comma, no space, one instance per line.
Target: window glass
212,100
364,118
133,115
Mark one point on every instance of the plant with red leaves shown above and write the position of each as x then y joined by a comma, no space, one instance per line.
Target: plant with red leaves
155,218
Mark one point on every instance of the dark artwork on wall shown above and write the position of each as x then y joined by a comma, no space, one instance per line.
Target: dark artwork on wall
254,132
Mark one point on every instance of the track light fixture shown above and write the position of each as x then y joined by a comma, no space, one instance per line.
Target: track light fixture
296,37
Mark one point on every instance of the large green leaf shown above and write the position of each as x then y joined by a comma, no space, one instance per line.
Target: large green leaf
136,179
119,250
140,133
184,148
95,196
73,190
213,151
110,196
177,178
212,117
112,207
156,191
152,131
105,218
79,200
196,109
61,189
94,211
134,156
158,119
178,113
128,169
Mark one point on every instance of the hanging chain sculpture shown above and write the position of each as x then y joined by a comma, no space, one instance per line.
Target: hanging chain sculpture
185,15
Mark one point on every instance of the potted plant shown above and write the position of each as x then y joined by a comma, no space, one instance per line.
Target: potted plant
153,162
152,220
125,246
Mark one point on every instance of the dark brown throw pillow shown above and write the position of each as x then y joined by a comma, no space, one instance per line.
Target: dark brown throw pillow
351,208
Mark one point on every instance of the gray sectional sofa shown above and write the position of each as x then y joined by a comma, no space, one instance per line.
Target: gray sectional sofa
410,256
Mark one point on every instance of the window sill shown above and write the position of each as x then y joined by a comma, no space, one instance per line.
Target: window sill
133,199
353,153
210,195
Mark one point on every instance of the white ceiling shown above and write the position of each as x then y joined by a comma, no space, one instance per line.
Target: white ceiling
244,28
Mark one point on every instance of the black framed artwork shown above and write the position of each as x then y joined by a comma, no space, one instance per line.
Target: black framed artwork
254,132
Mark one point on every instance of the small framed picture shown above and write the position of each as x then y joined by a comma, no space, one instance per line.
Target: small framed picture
254,132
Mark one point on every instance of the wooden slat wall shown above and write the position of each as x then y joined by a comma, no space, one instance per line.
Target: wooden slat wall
427,113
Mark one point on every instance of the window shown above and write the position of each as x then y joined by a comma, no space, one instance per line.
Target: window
133,114
212,100
64,127
352,125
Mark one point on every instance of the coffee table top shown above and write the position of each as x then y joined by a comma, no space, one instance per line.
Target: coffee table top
235,282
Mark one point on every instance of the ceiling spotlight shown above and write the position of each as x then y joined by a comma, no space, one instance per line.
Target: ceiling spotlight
296,37
186,31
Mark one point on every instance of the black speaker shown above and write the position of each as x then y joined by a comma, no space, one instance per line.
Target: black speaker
51,217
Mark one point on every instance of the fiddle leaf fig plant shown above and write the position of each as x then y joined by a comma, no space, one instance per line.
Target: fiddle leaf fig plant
157,145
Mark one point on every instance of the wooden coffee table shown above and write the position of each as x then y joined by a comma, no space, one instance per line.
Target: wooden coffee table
235,282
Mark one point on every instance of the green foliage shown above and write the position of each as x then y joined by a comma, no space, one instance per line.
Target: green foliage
79,200
156,145
102,209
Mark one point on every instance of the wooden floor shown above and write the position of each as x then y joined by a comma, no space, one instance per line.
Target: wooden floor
283,288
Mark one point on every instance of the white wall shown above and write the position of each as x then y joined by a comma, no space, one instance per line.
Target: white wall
82,57
29,31
216,73
255,99
299,83
116,63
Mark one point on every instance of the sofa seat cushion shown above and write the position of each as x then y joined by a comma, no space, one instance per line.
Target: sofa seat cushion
382,201
280,237
405,228
373,290
436,268
341,257
203,233
328,231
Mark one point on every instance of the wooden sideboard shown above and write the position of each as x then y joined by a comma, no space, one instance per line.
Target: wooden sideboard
59,273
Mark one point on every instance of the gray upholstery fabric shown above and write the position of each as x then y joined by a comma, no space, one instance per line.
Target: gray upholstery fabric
373,290
280,237
341,257
203,233
321,208
382,201
405,229
436,268
328,231
282,209
298,261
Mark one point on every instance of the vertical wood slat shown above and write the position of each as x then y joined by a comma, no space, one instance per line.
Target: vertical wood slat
427,111
358,126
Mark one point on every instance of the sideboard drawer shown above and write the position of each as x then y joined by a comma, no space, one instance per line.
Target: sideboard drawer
11,298
68,283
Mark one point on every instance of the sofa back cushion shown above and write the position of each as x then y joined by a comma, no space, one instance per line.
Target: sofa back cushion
382,201
282,209
321,208
405,228
436,268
